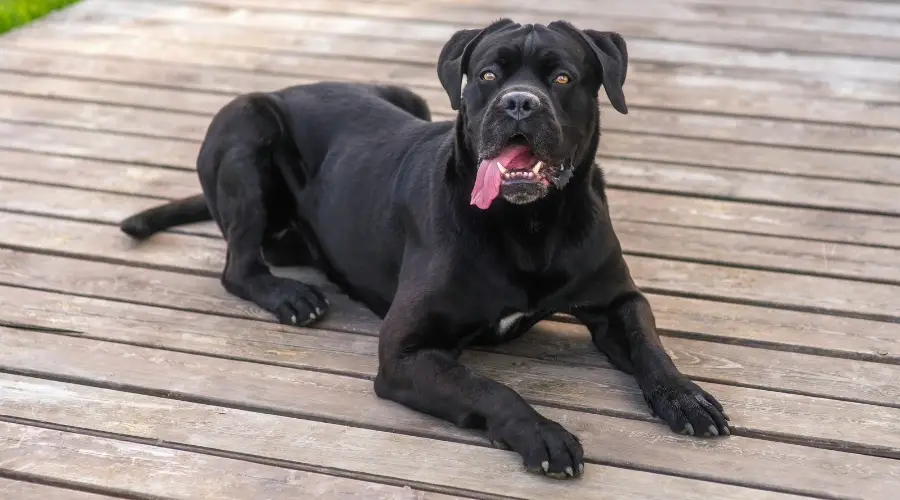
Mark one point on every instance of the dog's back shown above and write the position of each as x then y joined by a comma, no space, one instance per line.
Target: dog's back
272,119
357,145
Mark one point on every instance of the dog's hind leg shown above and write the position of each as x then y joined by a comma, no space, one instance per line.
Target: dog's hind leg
249,203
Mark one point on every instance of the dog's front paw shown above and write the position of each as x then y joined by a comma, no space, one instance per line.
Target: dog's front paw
545,446
687,408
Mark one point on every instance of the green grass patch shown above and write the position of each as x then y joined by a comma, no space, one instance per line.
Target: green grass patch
15,13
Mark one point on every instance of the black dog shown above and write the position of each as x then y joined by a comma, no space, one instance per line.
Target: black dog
457,232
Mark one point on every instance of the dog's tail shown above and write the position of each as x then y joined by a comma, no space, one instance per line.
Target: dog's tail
175,213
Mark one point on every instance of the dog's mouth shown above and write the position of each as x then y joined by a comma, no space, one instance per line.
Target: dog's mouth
516,174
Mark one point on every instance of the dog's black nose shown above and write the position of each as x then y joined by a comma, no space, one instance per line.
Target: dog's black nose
519,105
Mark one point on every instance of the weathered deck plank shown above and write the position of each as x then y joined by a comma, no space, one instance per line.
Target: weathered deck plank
354,449
833,137
155,472
816,421
626,205
21,490
755,181
681,317
710,280
709,181
688,318
348,401
646,239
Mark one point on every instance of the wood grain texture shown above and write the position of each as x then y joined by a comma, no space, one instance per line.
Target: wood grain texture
640,20
716,181
747,130
351,20
169,55
757,174
180,126
345,401
836,260
625,205
785,417
790,372
406,458
806,332
83,173
21,490
206,73
203,255
682,317
709,12
720,178
102,207
97,145
558,342
141,469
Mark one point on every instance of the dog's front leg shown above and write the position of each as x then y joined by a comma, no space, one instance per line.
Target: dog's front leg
625,330
418,368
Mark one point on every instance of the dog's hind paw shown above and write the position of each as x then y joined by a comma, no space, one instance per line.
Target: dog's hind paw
687,408
545,446
293,303
300,305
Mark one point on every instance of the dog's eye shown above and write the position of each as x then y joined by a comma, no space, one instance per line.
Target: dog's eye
488,75
562,79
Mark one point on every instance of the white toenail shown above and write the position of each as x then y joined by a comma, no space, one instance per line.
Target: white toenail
294,319
312,316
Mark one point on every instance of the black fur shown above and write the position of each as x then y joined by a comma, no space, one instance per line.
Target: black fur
357,181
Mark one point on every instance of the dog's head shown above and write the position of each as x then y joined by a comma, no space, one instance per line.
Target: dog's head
527,97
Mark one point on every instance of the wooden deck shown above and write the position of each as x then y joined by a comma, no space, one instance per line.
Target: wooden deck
755,186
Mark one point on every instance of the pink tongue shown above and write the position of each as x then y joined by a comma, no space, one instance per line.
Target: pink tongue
487,182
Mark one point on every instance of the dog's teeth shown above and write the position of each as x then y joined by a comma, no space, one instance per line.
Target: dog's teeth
500,166
537,167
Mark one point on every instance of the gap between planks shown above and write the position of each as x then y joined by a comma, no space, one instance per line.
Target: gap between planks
315,349
403,457
204,256
338,400
22,487
625,171
423,51
627,151
758,252
847,139
652,78
561,343
436,21
715,131
689,318
133,469
634,206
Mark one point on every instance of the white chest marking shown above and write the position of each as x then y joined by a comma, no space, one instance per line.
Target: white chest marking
507,322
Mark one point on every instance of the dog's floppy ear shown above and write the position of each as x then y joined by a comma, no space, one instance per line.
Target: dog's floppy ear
612,57
454,58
